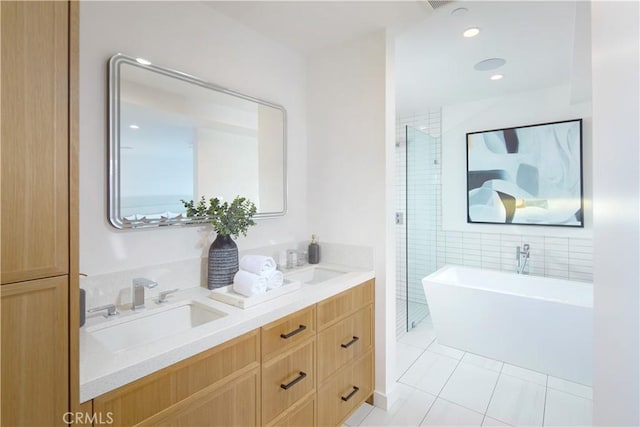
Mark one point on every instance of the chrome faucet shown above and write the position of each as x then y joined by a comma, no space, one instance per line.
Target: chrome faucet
111,310
162,296
138,291
522,258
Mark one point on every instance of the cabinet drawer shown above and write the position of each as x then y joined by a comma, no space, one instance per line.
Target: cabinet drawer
211,366
345,391
287,379
344,341
304,415
281,335
335,308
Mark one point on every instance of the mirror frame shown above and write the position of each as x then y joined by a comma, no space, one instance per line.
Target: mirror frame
114,181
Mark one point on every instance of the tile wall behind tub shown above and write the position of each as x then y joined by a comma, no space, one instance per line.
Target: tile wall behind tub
558,257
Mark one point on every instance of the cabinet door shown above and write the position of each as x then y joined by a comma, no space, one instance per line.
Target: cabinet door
35,330
34,131
139,400
143,399
234,404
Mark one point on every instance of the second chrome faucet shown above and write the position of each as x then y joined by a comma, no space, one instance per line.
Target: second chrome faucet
137,291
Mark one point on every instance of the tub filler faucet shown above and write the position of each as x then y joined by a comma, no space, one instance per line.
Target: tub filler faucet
138,291
522,258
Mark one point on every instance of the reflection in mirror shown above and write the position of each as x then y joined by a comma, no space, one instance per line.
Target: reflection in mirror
174,137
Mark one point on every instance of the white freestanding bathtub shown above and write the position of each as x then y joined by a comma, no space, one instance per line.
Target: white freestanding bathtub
538,323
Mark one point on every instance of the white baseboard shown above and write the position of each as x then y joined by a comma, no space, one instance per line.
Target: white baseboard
385,401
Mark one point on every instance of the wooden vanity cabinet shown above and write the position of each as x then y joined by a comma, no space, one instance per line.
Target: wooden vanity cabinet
311,368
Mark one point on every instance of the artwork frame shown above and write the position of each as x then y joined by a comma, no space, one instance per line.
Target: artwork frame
526,175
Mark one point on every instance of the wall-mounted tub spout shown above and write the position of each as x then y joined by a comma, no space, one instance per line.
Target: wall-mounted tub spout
522,259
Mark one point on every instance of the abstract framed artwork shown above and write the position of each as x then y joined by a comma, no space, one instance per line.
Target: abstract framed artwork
527,175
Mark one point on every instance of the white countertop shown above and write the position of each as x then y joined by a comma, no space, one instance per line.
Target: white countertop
102,371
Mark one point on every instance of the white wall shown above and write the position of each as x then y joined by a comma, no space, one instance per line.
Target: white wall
191,37
616,135
347,164
519,109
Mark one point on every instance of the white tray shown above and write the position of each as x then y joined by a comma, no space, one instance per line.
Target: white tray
228,296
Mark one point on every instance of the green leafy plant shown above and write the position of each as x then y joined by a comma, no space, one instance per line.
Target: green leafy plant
228,219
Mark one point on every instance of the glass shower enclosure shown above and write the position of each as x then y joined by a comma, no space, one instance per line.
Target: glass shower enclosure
422,194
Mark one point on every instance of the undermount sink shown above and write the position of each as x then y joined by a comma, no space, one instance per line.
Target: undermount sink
144,328
315,275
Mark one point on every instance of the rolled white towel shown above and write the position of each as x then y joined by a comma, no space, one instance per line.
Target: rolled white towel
275,279
257,264
249,284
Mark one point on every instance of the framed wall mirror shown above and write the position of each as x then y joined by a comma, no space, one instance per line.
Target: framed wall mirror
173,137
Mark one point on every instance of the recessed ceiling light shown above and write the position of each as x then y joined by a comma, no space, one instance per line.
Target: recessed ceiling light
489,64
471,32
496,77
459,11
143,61
134,127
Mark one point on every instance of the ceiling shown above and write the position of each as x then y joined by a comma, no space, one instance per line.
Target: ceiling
544,44
309,25
435,63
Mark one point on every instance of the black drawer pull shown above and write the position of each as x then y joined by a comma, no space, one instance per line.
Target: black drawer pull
350,395
350,343
299,378
292,333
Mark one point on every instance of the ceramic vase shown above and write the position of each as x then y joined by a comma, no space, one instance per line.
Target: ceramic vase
223,262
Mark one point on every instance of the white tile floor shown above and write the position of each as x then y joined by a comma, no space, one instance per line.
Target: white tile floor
442,386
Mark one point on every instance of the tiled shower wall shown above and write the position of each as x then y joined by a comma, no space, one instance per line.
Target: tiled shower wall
558,257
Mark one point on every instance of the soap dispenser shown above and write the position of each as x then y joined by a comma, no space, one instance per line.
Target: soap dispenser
314,251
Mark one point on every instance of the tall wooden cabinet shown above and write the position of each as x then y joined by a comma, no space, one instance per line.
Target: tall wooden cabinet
38,217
